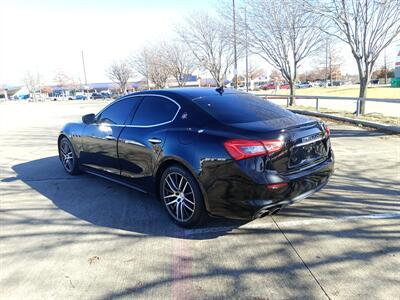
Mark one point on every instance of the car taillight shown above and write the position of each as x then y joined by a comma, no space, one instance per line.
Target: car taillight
277,186
327,130
240,149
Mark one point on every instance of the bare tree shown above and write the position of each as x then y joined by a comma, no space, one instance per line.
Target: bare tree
159,71
254,71
152,63
328,64
62,81
284,34
179,61
32,83
276,76
367,26
139,61
120,73
210,42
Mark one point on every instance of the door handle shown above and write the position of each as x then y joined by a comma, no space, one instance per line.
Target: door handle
154,141
110,138
133,143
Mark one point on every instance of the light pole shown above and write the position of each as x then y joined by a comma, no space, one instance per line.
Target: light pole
246,48
84,72
234,46
326,63
385,63
84,68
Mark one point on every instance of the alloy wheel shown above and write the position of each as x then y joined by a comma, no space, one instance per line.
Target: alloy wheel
66,156
178,197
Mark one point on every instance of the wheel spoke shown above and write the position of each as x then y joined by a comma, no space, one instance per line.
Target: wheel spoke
180,183
181,206
65,148
63,151
174,183
184,188
191,209
169,185
188,200
169,196
69,163
171,202
177,210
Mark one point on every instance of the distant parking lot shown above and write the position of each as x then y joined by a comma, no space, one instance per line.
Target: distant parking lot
65,237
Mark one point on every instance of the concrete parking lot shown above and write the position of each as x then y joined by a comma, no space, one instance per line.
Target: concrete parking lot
64,237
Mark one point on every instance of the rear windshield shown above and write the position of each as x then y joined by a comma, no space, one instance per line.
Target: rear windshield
241,108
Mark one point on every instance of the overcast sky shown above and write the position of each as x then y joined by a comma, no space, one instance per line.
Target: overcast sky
44,36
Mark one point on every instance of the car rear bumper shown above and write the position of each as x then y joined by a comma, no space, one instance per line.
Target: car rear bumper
239,198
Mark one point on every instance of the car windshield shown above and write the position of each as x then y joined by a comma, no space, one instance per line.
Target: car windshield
241,108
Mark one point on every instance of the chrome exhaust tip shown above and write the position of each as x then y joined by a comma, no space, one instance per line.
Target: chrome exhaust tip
268,211
275,210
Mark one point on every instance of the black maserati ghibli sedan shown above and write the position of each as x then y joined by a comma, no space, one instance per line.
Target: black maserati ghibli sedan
202,151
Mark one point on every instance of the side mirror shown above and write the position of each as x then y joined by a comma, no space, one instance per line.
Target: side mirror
89,118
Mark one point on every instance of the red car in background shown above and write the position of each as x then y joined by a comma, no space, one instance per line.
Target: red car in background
273,86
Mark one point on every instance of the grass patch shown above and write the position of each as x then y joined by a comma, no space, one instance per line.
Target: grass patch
373,117
347,91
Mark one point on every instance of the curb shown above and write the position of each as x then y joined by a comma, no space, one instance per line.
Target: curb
388,128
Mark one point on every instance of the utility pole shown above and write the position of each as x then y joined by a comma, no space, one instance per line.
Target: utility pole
84,68
330,66
326,63
385,62
234,46
247,51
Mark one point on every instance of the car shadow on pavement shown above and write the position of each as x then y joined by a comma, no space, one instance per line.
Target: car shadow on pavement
104,203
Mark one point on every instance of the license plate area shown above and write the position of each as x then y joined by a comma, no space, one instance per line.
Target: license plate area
307,153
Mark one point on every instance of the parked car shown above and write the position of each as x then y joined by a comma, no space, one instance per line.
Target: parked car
97,96
304,85
106,94
284,86
273,86
81,97
199,157
269,86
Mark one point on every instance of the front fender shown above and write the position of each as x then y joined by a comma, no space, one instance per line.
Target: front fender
73,131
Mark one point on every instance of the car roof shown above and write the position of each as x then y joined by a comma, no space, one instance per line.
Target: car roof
190,93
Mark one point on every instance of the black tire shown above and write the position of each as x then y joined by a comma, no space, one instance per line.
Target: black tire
177,184
68,157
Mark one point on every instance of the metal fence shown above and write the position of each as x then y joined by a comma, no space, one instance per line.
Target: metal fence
317,98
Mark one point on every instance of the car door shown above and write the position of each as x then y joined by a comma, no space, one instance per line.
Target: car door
141,142
99,140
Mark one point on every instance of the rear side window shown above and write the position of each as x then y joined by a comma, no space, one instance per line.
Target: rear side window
241,108
155,110
118,112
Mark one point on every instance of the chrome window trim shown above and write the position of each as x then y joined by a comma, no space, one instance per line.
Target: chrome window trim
142,126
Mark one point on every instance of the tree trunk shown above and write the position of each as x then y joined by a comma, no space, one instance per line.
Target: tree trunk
363,93
292,100
365,77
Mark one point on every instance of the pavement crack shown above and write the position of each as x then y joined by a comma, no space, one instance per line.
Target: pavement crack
302,260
